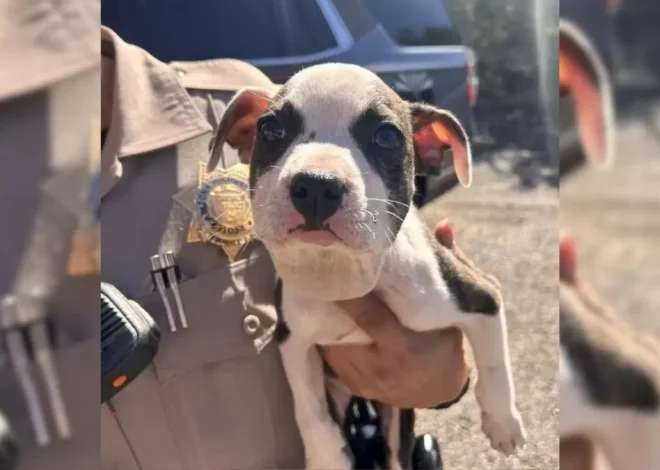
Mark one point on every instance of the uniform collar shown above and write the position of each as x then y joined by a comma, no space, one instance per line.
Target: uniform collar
151,109
221,75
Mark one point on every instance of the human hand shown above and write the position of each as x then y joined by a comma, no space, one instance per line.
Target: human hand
403,368
570,275
577,453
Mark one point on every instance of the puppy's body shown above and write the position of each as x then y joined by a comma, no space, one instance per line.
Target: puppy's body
411,283
609,383
332,178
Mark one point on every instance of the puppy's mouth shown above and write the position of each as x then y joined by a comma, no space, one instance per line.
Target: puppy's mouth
320,234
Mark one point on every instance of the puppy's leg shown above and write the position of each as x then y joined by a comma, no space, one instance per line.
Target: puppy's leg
500,419
494,389
325,446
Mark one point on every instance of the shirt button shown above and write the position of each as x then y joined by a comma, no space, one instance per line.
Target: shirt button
181,73
251,324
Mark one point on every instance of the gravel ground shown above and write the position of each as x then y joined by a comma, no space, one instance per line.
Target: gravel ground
510,232
614,216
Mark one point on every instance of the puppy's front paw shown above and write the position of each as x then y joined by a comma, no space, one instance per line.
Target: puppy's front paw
504,430
328,460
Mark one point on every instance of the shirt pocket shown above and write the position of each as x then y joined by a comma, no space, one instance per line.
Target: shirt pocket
227,309
211,400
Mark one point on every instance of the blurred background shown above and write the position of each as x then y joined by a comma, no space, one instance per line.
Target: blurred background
614,213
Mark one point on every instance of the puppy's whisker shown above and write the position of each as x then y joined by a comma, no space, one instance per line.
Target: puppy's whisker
388,201
393,237
368,229
394,215
261,96
367,212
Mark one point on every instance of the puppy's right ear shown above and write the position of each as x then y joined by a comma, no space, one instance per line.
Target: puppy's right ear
435,130
238,124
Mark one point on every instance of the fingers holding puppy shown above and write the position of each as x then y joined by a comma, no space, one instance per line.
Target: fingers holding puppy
424,369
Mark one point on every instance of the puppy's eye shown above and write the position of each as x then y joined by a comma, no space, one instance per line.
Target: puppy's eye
388,137
271,130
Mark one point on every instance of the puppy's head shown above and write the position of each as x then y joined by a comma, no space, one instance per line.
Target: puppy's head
333,158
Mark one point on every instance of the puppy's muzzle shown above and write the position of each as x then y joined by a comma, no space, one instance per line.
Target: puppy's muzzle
316,197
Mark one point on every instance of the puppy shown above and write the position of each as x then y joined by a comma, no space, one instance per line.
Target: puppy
609,377
333,156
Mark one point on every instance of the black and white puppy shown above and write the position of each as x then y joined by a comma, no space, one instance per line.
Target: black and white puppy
609,379
333,156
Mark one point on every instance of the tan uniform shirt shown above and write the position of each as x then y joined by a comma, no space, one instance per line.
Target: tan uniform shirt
49,75
210,400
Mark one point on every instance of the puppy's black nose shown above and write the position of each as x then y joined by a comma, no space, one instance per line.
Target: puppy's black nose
316,196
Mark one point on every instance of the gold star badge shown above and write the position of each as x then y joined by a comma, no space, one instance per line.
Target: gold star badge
223,210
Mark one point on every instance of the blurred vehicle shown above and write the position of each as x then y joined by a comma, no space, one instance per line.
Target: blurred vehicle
412,45
586,57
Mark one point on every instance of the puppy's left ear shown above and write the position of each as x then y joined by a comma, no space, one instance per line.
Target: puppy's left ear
435,130
238,123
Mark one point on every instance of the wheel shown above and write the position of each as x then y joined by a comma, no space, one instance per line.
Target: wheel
365,438
426,453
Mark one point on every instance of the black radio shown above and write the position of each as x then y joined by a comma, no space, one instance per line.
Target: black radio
129,341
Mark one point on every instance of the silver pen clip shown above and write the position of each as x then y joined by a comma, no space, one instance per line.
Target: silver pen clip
165,273
172,270
158,277
43,355
21,315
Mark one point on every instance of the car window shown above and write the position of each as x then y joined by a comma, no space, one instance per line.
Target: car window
185,30
415,22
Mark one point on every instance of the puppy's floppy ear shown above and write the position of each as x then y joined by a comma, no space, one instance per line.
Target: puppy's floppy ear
584,76
435,130
238,124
